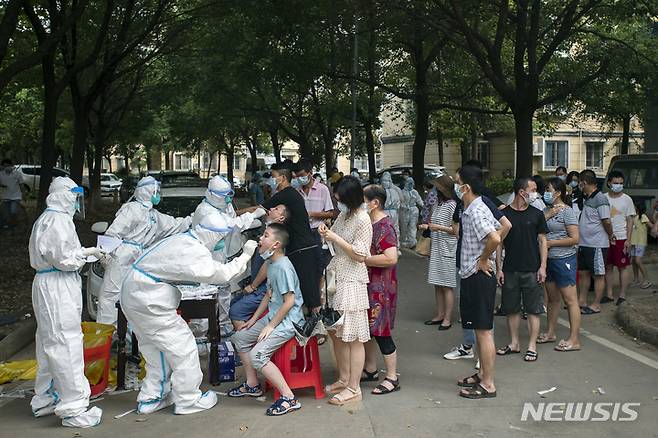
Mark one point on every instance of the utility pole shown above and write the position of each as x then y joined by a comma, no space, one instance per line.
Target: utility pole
355,72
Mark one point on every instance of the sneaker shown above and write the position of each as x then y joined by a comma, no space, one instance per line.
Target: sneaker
460,352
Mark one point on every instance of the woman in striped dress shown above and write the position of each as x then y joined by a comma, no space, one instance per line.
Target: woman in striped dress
442,266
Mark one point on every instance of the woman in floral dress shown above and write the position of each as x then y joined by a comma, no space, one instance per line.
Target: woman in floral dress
382,292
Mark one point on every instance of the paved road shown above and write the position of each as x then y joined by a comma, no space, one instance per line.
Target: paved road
428,405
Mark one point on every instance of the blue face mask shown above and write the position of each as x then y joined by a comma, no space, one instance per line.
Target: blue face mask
228,199
548,198
303,180
617,188
295,183
219,246
272,183
458,191
573,184
155,199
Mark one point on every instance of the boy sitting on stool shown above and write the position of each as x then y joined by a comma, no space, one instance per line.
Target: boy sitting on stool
260,338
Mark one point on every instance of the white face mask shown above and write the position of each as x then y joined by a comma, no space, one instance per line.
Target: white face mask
342,208
268,254
532,197
617,188
458,191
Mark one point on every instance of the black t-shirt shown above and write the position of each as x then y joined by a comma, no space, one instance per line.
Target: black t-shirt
457,218
521,245
298,223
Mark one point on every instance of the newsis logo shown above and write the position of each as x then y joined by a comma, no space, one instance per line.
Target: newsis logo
579,411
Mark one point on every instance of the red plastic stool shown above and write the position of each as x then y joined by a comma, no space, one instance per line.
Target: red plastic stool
101,352
300,366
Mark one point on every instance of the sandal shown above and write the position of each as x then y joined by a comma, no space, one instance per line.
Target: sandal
507,351
245,390
466,384
338,400
588,311
335,387
476,392
563,346
282,406
544,338
386,390
530,356
370,376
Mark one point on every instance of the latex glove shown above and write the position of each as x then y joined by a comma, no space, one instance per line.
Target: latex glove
250,247
259,212
93,251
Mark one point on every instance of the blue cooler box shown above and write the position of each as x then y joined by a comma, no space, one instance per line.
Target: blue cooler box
226,362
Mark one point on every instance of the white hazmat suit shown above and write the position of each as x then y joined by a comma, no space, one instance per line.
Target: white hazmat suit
411,202
149,298
139,226
218,199
393,202
56,254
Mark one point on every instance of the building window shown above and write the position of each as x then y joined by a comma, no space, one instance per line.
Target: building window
236,162
594,154
484,154
556,153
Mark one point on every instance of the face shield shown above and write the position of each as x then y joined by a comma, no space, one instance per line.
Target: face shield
148,189
79,193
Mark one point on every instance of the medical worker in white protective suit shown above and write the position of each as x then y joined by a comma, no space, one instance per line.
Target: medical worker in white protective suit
61,387
149,298
219,199
411,202
393,202
139,226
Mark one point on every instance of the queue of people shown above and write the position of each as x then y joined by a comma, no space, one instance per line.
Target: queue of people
537,252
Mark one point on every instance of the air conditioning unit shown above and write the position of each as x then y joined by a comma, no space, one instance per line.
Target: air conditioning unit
538,147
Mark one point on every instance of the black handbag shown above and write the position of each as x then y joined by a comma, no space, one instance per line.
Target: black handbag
330,316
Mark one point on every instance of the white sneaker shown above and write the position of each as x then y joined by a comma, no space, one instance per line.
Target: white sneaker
477,365
207,400
460,352
90,418
150,406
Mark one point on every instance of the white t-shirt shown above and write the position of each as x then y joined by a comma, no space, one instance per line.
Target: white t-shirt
12,183
620,208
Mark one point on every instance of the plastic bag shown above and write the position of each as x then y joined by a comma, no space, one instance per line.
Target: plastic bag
18,370
96,335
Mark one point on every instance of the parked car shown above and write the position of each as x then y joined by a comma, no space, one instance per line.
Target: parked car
110,184
180,194
167,177
431,172
32,175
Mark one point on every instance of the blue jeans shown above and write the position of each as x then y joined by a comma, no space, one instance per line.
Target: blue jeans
8,211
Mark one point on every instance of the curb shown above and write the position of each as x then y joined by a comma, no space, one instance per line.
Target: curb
21,336
634,325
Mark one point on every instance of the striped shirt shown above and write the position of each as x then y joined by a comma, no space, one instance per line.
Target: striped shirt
318,199
477,224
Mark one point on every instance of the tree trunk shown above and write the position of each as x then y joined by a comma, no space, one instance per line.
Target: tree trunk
464,150
439,144
625,136
80,132
167,160
274,136
253,155
48,151
95,175
219,163
523,128
230,153
370,149
149,158
328,149
420,140
473,143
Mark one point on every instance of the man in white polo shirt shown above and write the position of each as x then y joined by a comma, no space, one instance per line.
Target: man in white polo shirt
317,199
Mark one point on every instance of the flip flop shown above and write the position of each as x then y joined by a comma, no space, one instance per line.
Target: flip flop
566,347
507,351
588,311
545,339
477,392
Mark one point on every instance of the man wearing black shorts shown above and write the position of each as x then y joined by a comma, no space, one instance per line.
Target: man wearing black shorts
478,282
